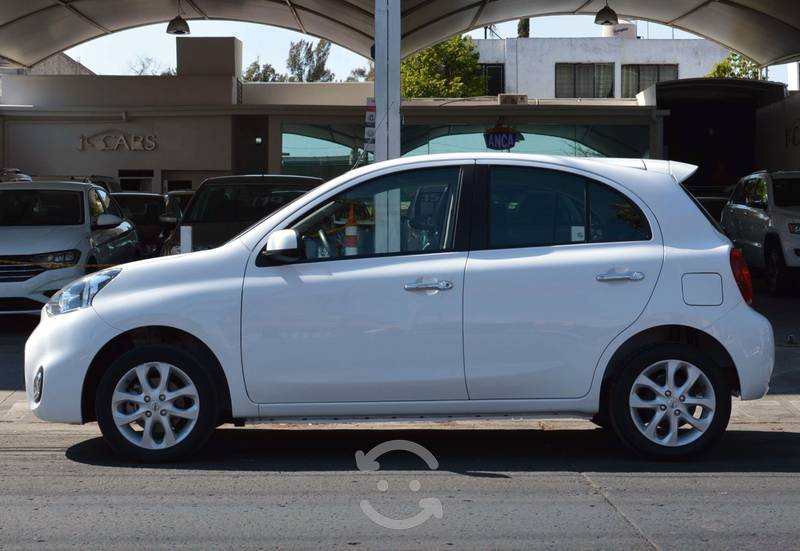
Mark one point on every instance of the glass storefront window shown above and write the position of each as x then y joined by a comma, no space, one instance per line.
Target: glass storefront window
324,151
567,140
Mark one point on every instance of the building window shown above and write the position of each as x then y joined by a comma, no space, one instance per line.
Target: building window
584,80
494,75
636,78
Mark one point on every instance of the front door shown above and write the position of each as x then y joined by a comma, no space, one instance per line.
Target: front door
568,263
373,311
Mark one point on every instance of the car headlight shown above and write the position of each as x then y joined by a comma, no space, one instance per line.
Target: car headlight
80,293
794,227
60,259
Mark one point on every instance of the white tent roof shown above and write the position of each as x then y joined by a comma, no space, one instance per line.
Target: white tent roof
768,31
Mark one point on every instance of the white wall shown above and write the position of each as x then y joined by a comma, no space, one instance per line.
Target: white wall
530,62
793,72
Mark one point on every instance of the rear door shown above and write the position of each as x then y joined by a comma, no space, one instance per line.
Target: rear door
560,265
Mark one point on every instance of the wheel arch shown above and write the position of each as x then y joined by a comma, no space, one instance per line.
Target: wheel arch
152,335
669,334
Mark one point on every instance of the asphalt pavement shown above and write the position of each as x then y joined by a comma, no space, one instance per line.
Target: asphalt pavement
495,484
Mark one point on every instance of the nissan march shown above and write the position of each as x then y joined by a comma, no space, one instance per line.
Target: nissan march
444,286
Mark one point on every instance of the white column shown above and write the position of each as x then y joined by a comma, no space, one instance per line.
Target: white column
793,70
387,79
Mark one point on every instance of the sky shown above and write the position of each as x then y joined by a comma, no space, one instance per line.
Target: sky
115,54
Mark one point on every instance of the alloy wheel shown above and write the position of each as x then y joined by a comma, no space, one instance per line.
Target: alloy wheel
672,403
155,405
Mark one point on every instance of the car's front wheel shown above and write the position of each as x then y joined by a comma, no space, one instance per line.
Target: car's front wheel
670,402
779,276
156,403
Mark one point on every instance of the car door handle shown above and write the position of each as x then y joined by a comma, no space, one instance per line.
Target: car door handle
429,286
621,276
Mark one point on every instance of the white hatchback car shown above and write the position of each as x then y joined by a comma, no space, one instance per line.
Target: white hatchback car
52,233
434,287
762,218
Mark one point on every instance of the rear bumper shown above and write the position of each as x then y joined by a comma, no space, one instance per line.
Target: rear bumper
748,338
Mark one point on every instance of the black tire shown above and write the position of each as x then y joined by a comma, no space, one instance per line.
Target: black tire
779,276
208,404
622,418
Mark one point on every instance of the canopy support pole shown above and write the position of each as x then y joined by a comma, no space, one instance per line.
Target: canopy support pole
387,79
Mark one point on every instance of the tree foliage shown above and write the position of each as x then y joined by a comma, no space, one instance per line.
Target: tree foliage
362,74
144,66
307,61
447,70
736,66
524,28
256,72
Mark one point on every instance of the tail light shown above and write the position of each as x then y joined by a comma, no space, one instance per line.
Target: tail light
741,273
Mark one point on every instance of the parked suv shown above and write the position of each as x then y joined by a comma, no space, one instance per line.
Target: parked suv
762,217
441,286
52,233
144,210
224,206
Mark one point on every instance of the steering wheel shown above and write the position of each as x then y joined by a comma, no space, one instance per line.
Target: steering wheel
325,242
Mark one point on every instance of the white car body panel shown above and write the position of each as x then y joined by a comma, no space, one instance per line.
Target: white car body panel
202,294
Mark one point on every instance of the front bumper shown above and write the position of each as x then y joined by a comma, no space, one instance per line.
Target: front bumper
63,346
791,250
28,297
749,339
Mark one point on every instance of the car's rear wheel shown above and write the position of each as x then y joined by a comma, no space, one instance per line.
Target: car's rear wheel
156,403
779,276
670,402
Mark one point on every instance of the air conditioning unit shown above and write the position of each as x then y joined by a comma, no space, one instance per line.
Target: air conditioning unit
512,99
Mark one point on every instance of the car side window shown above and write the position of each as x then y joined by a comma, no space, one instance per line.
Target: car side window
109,204
531,207
613,217
96,205
738,194
407,212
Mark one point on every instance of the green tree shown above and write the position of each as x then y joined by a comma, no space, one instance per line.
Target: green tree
307,62
361,74
256,72
736,66
448,70
524,28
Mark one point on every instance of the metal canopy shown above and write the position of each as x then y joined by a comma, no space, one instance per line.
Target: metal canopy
767,31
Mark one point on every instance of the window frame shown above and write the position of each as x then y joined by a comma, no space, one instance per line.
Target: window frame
638,66
481,206
461,226
574,66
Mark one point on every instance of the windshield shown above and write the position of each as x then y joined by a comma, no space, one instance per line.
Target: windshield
240,203
140,208
787,192
38,207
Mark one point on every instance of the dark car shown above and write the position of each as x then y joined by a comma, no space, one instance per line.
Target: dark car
177,201
222,207
144,210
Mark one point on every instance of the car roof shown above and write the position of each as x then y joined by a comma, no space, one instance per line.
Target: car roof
249,179
45,185
136,194
180,192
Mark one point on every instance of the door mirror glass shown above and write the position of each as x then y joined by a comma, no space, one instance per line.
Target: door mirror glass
106,221
168,221
283,246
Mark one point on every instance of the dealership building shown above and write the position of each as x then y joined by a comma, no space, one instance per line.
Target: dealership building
612,96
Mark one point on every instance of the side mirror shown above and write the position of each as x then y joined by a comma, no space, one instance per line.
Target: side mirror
283,246
168,221
107,221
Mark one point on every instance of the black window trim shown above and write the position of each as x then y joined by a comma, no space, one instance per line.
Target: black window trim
480,215
461,226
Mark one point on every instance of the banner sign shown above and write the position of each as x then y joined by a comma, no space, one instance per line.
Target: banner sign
502,138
